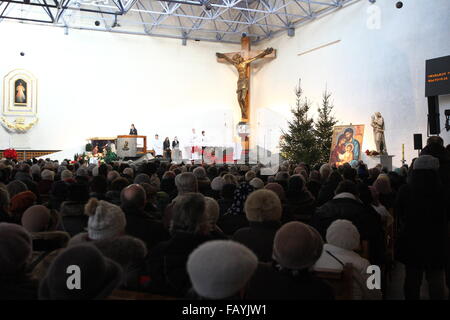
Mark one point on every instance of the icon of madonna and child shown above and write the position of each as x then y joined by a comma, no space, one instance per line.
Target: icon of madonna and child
346,145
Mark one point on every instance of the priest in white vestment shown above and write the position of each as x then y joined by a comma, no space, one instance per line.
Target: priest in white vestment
158,146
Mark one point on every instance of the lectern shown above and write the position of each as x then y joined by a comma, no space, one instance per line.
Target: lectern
131,146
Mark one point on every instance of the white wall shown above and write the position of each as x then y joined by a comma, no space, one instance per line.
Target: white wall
96,84
369,70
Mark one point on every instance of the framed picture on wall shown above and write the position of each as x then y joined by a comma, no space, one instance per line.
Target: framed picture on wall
346,144
19,93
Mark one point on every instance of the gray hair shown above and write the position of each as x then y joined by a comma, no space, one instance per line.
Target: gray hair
66,174
82,172
35,169
212,211
199,172
15,187
47,175
186,182
189,213
128,172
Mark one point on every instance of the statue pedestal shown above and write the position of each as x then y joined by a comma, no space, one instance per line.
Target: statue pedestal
384,160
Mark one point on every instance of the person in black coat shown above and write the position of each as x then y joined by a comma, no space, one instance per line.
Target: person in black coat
326,192
296,248
346,205
166,263
263,210
133,130
300,203
422,210
15,254
74,220
139,223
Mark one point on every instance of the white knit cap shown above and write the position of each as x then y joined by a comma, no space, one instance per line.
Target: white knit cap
343,234
219,269
106,220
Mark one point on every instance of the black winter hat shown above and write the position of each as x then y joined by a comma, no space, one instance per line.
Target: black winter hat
99,275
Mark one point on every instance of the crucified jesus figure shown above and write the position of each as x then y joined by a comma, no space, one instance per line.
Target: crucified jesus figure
243,81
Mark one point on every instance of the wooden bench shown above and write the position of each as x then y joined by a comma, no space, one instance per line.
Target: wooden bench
340,280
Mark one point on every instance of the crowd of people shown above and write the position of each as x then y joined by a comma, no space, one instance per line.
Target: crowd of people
221,231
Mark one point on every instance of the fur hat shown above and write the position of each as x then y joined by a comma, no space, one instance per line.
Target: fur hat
39,218
15,248
106,220
426,162
257,183
21,202
217,183
277,188
343,234
297,246
99,276
219,269
263,205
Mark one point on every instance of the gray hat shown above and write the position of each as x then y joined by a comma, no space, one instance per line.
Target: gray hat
297,246
219,269
217,183
106,220
257,183
426,162
15,248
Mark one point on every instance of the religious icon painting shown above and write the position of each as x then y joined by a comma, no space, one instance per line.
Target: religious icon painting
19,93
346,144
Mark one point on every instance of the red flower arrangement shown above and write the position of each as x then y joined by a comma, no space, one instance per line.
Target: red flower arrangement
372,153
10,154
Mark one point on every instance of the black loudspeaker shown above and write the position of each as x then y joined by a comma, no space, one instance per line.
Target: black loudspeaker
417,141
434,124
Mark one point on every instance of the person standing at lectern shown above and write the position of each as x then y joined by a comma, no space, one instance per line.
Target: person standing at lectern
133,130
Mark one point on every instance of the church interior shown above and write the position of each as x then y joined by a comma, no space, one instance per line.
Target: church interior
267,149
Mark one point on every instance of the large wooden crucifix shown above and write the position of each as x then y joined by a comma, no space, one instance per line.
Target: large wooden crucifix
241,61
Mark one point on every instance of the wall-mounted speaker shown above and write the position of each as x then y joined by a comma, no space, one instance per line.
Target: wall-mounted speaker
434,124
417,141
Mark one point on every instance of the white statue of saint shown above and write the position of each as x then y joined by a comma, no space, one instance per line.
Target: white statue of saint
378,133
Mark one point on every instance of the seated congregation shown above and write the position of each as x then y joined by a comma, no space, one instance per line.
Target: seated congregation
166,231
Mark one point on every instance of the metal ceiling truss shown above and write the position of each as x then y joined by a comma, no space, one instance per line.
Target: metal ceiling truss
206,20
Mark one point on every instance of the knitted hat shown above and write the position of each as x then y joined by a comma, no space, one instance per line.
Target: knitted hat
36,218
343,234
257,183
297,246
217,183
15,248
219,269
106,220
99,276
263,205
426,162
